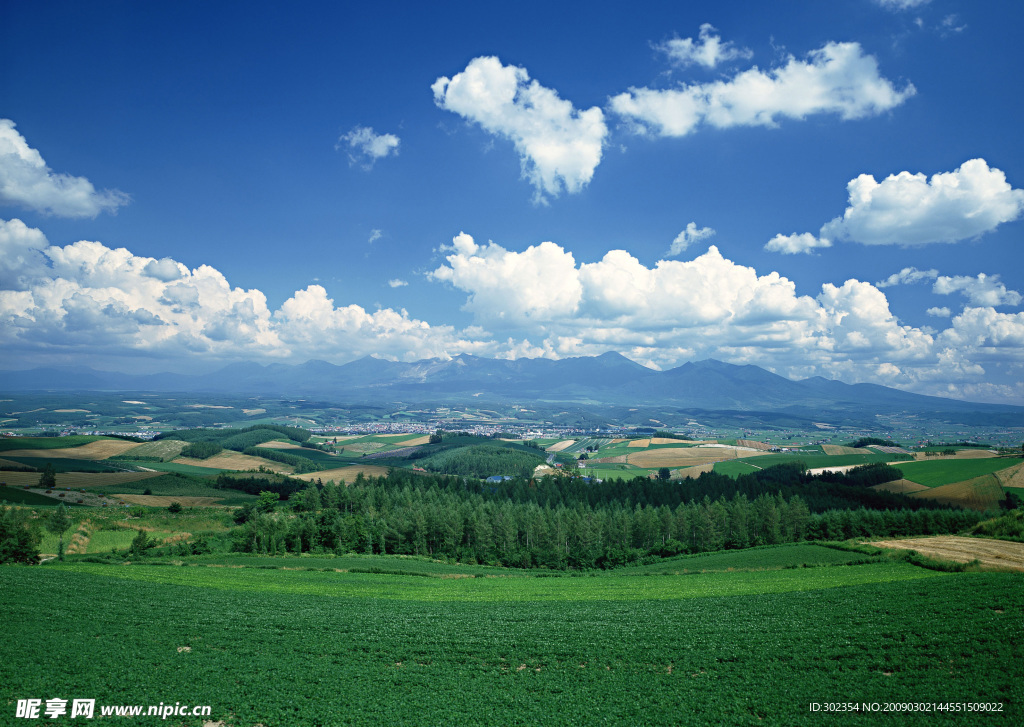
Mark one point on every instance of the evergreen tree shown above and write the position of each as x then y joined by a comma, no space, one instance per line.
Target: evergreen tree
57,523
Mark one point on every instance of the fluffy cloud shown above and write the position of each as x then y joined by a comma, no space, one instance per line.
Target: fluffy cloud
907,276
910,209
795,244
89,299
26,181
689,236
984,290
397,283
712,307
365,147
512,288
939,312
707,51
559,146
837,78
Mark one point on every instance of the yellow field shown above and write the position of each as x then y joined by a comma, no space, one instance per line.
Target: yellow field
235,461
100,449
639,443
425,439
1012,476
980,493
900,486
693,472
77,479
559,446
70,411
995,553
281,445
685,456
348,474
754,444
165,500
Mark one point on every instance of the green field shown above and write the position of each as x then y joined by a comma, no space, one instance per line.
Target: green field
281,647
9,443
947,471
765,558
66,464
19,496
735,467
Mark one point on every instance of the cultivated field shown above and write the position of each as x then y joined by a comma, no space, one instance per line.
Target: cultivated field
996,553
165,500
979,493
686,456
348,474
945,472
558,447
900,486
165,449
837,449
611,649
100,449
76,479
228,460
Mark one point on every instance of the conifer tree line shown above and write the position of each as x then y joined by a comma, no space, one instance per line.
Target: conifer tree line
561,522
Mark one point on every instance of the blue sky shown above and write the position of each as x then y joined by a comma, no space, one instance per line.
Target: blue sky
825,189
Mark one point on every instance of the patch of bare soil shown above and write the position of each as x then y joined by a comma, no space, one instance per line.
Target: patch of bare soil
992,553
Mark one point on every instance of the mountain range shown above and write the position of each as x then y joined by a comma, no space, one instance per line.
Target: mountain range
606,379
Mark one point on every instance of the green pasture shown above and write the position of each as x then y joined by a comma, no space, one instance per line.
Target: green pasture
946,471
736,648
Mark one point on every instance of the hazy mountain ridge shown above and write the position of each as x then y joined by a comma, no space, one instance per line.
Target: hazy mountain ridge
609,379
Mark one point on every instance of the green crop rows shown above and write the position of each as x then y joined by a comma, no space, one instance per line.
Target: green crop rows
281,647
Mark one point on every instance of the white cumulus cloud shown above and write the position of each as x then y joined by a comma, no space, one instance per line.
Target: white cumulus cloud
708,50
910,209
689,236
796,243
559,146
26,181
88,299
983,290
939,312
365,147
397,283
838,78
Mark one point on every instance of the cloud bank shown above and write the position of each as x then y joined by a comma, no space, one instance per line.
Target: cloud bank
26,181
